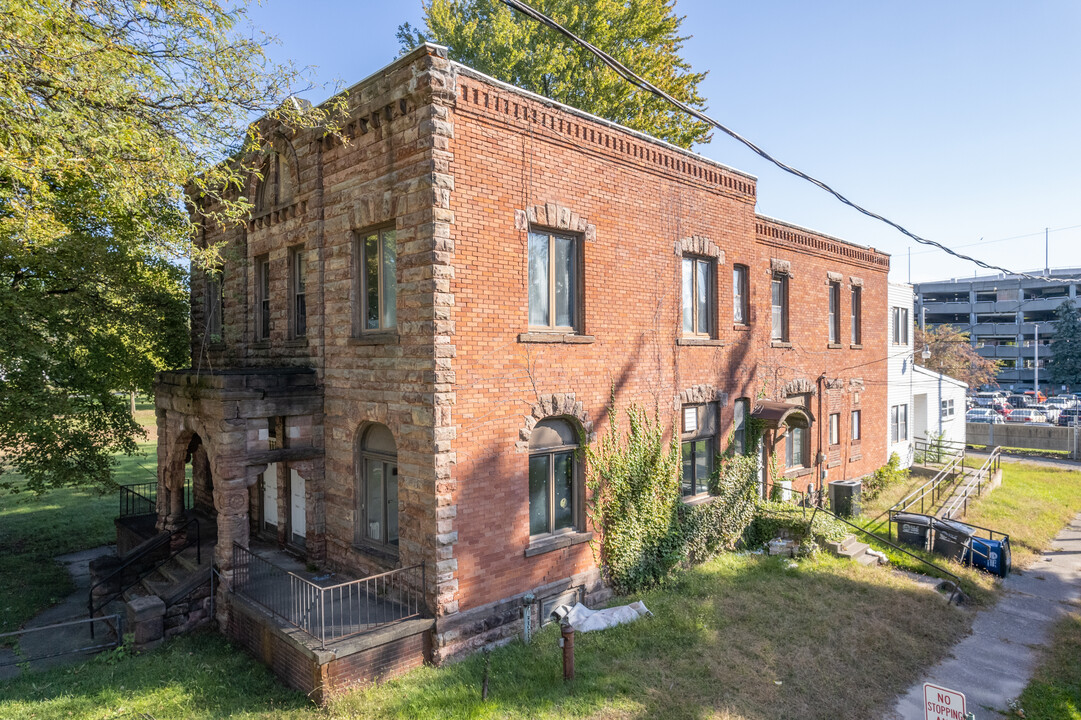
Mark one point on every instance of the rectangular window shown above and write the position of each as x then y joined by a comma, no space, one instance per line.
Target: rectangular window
739,422
375,281
835,313
899,423
741,313
779,306
551,493
215,304
835,429
262,297
857,319
947,408
795,447
298,263
855,425
553,278
698,296
900,326
698,448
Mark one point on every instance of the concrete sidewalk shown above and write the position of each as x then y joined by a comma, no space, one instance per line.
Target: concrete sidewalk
995,662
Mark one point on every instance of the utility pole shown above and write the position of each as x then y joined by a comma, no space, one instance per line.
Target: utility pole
1046,256
1036,364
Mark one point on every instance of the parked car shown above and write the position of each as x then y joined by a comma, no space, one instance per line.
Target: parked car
984,415
1039,396
987,399
1062,402
1049,411
1016,399
1002,408
1069,417
1027,416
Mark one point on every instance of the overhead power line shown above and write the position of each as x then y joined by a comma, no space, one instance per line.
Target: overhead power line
643,84
981,241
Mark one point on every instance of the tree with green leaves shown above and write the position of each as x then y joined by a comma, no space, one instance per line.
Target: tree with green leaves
642,34
114,112
1064,364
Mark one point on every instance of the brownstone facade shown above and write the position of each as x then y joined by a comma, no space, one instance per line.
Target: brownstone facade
462,169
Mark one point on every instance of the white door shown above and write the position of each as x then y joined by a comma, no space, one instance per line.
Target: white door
270,497
296,507
920,413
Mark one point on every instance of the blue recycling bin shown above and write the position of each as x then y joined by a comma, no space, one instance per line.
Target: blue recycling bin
991,556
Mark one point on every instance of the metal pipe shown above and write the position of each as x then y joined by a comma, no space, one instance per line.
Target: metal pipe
566,641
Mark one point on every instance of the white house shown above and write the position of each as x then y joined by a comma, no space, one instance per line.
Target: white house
938,406
899,373
923,404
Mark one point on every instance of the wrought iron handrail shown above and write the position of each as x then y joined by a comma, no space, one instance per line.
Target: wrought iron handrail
118,625
153,545
931,487
986,472
141,498
956,582
332,612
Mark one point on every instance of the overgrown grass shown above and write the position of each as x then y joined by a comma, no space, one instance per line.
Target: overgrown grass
35,529
197,676
1026,452
1054,693
730,638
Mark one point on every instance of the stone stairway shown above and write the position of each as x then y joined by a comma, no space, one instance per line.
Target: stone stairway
852,549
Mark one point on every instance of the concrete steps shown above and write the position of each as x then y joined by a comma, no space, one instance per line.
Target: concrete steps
852,549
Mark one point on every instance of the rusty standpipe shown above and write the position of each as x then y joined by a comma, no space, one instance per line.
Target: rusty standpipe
567,643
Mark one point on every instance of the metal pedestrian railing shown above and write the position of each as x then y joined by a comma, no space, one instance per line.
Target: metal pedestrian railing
141,498
333,612
115,623
959,504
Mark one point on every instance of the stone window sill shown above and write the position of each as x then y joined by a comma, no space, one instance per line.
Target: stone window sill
855,458
856,346
556,542
700,342
380,553
295,342
381,338
835,463
261,344
697,499
556,338
216,347
798,473
834,346
780,344
742,327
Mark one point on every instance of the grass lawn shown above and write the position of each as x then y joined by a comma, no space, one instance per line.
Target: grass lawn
1055,691
741,636
34,530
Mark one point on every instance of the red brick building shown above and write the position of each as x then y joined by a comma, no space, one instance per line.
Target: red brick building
420,324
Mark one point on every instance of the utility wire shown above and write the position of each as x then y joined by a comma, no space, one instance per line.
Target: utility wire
981,241
643,84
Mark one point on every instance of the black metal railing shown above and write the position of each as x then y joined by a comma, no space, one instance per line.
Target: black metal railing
985,473
935,450
930,492
147,558
142,498
333,612
115,623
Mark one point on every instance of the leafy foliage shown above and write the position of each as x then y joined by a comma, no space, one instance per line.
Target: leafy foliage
774,518
634,482
642,34
952,354
646,528
885,476
110,109
1065,361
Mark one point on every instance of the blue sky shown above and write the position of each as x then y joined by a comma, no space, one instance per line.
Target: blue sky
959,120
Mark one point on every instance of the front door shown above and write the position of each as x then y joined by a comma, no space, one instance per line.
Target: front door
297,525
270,498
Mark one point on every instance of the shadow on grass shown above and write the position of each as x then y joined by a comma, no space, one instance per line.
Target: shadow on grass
739,637
199,676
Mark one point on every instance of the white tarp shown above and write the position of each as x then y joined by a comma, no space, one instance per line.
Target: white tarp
582,619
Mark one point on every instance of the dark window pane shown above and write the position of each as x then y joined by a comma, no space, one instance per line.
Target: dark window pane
702,277
538,279
687,485
301,316
564,281
392,504
538,494
703,462
374,499
371,282
564,491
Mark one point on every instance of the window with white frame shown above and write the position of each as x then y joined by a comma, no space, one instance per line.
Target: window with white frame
796,447
553,281
947,408
835,428
375,281
741,310
377,488
779,307
834,313
855,431
898,423
900,326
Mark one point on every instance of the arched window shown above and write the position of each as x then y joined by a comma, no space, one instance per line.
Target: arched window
377,488
554,486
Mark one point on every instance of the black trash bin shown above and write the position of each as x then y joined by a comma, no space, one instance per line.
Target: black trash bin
845,497
913,529
952,539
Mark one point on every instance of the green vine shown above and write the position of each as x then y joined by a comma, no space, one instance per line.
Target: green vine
646,530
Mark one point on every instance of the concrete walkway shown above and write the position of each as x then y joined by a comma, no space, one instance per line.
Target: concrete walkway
53,641
995,662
